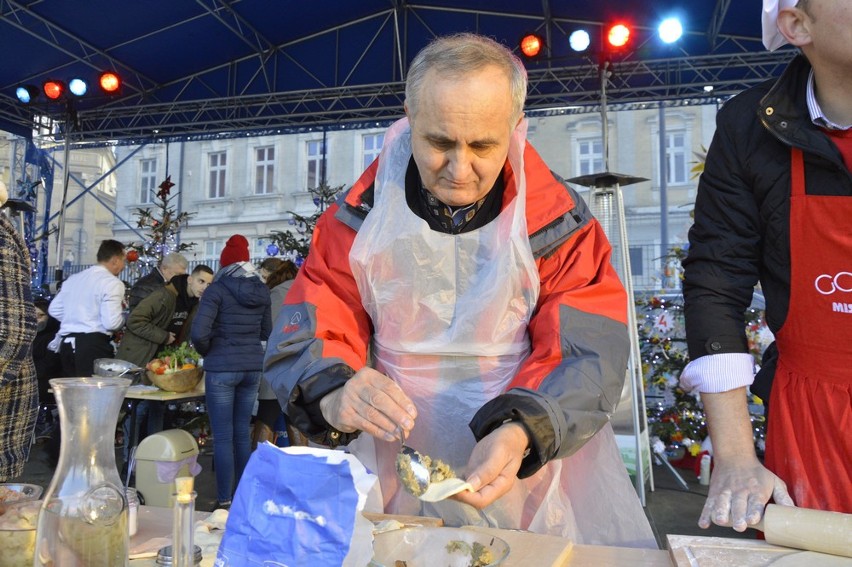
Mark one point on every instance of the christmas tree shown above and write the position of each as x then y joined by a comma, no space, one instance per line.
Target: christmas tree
297,244
163,224
676,417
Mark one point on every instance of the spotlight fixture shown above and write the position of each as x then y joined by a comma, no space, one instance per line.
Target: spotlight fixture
109,82
53,89
531,45
618,36
78,87
579,40
26,93
670,30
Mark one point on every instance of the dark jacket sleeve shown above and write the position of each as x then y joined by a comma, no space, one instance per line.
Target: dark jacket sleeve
144,286
147,320
723,262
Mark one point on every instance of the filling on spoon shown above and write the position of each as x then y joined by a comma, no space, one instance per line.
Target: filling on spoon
438,471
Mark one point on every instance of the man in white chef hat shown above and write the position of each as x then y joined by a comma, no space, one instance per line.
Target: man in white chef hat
773,208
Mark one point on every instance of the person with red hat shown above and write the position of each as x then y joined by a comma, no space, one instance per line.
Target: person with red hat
773,206
233,319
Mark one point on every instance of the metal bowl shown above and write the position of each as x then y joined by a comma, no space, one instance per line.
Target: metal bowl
115,367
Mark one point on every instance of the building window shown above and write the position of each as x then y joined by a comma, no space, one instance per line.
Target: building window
637,260
589,156
218,167
258,248
213,248
264,170
148,177
677,171
315,152
372,147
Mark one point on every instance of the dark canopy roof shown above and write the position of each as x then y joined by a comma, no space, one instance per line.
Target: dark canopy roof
210,66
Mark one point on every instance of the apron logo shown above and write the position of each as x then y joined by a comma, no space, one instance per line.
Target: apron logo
827,284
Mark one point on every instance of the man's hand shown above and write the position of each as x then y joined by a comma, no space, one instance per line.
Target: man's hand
494,464
370,402
171,338
739,493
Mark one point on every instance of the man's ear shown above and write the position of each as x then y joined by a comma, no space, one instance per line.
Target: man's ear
795,25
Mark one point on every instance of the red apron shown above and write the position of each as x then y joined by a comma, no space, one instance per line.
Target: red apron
809,436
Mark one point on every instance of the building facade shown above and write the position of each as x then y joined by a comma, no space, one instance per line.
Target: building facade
252,185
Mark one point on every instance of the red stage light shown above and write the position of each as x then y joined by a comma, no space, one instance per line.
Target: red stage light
53,89
531,45
109,82
618,36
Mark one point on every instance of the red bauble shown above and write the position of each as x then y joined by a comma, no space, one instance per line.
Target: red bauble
132,256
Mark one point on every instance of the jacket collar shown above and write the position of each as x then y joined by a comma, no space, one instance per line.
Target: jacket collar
784,112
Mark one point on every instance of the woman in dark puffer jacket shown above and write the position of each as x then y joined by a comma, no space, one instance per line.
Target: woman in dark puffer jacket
232,320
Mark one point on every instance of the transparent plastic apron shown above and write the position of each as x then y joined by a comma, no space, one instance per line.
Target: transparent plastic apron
450,314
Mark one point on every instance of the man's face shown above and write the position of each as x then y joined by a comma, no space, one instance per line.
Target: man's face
116,264
460,133
41,318
198,282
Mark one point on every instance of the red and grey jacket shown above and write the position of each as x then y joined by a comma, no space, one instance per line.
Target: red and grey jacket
566,388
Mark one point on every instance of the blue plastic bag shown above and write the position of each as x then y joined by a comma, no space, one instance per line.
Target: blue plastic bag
290,510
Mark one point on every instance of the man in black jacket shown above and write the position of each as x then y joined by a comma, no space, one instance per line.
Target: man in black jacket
774,206
173,264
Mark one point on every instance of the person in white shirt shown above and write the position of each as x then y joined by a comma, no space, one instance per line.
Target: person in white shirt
89,308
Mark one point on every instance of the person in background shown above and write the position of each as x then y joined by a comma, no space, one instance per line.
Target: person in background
18,386
89,309
460,295
269,411
47,363
268,266
173,264
232,321
162,318
773,206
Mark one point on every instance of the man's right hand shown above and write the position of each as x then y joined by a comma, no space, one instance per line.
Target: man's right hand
370,402
172,338
739,492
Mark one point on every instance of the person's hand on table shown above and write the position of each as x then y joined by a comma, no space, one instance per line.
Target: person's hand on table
739,492
493,465
370,402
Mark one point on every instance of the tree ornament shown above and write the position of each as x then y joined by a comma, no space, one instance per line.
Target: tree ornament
132,256
272,250
165,187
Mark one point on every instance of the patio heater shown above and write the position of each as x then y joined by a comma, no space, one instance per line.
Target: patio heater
629,421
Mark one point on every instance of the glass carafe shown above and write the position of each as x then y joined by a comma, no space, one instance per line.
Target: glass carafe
83,520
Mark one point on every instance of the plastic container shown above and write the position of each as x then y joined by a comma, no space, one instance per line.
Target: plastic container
83,518
19,509
162,451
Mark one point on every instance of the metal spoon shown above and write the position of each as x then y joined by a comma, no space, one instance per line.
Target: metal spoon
412,473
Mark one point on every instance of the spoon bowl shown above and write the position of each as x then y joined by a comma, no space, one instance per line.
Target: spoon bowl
413,474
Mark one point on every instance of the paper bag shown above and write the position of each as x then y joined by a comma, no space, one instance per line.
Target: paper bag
299,506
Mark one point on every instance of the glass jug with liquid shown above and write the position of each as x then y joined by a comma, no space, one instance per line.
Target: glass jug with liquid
83,520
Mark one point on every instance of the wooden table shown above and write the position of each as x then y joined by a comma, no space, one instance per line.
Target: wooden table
527,549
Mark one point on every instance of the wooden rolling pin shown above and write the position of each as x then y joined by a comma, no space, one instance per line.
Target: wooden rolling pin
803,528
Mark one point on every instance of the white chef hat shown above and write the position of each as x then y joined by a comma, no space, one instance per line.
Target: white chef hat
772,37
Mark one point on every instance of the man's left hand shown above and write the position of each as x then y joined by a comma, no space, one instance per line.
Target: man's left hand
494,465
